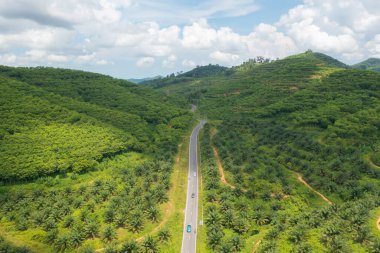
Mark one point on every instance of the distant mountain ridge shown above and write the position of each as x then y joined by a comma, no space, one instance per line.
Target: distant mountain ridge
141,80
369,64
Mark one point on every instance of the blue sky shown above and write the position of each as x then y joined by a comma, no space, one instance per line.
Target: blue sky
269,12
140,38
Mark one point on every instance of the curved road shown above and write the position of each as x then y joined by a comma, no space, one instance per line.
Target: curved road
189,239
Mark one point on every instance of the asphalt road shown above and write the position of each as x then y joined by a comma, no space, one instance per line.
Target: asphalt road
189,239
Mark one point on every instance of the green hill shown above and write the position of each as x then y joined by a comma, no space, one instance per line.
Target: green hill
94,116
369,64
85,159
205,71
305,119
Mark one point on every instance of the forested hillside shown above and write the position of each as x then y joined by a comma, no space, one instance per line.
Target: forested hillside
298,144
369,64
86,159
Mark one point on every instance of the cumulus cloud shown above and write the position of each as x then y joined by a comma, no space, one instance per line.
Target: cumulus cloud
57,58
188,63
169,62
340,28
223,57
8,59
267,41
199,35
145,62
373,46
102,62
142,33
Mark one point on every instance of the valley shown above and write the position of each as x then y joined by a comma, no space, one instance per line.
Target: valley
287,159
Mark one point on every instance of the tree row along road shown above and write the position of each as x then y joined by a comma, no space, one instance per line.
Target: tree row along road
189,238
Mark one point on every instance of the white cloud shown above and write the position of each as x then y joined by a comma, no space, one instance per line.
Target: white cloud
35,55
57,58
42,38
340,28
145,62
373,46
177,35
8,59
199,35
86,58
167,11
226,58
169,62
188,63
266,41
102,62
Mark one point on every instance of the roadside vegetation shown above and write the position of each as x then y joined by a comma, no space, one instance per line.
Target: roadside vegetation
86,162
306,116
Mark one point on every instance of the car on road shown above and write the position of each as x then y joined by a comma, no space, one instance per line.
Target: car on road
188,229
193,195
195,174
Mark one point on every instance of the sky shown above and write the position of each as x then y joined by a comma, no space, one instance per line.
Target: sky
144,38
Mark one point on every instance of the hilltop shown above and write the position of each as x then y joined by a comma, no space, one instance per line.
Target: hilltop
82,155
369,64
289,152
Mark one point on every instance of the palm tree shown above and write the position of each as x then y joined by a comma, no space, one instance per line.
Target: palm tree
121,219
136,222
68,221
302,247
112,248
361,234
62,243
51,236
228,218
237,244
92,229
153,213
76,238
240,225
149,245
213,218
297,235
109,233
214,237
374,246
164,235
129,247
262,221
225,248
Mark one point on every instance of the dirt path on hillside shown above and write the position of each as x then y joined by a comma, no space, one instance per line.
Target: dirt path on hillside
168,212
372,163
256,247
218,162
220,167
300,178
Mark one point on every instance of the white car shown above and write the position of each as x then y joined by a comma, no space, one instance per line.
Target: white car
195,174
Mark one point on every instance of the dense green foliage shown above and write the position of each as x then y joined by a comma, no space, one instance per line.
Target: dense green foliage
50,117
369,64
205,71
7,247
306,114
86,160
127,196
